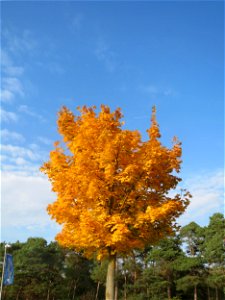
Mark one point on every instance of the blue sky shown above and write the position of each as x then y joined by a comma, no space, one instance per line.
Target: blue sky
131,55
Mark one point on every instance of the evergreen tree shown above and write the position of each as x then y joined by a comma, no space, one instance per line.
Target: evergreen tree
163,271
77,275
166,255
192,265
214,254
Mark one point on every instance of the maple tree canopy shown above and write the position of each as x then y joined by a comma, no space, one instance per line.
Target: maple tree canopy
112,188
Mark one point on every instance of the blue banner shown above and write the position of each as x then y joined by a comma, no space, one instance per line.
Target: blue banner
8,270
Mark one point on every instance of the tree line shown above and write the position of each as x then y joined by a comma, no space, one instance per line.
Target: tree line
189,265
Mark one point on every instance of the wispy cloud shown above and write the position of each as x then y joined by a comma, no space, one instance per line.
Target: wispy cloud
28,111
207,190
11,86
20,159
17,151
155,90
15,45
8,67
45,140
7,135
8,116
6,96
19,42
55,67
106,55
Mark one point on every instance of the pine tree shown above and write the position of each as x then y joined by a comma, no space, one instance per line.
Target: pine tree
193,263
214,253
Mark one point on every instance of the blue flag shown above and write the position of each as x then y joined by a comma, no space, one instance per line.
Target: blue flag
8,270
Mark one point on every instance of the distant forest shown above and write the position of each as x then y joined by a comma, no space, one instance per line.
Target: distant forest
189,265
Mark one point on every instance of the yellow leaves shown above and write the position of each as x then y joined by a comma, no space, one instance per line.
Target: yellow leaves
156,213
110,185
110,119
118,233
153,131
129,174
66,124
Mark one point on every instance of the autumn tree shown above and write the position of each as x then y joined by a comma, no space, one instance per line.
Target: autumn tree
112,188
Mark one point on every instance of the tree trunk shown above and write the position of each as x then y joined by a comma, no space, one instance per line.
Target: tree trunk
96,296
110,280
169,292
74,289
217,294
125,286
17,295
208,292
48,294
70,288
116,281
195,293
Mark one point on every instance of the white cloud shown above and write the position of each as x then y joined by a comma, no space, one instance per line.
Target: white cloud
8,135
6,96
23,160
17,151
24,199
25,109
8,116
19,165
25,193
207,190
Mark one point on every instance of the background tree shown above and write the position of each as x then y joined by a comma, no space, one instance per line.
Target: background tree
37,269
192,264
77,277
49,271
98,274
166,256
214,253
112,188
130,268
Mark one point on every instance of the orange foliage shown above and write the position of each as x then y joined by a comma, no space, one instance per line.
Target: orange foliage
112,188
